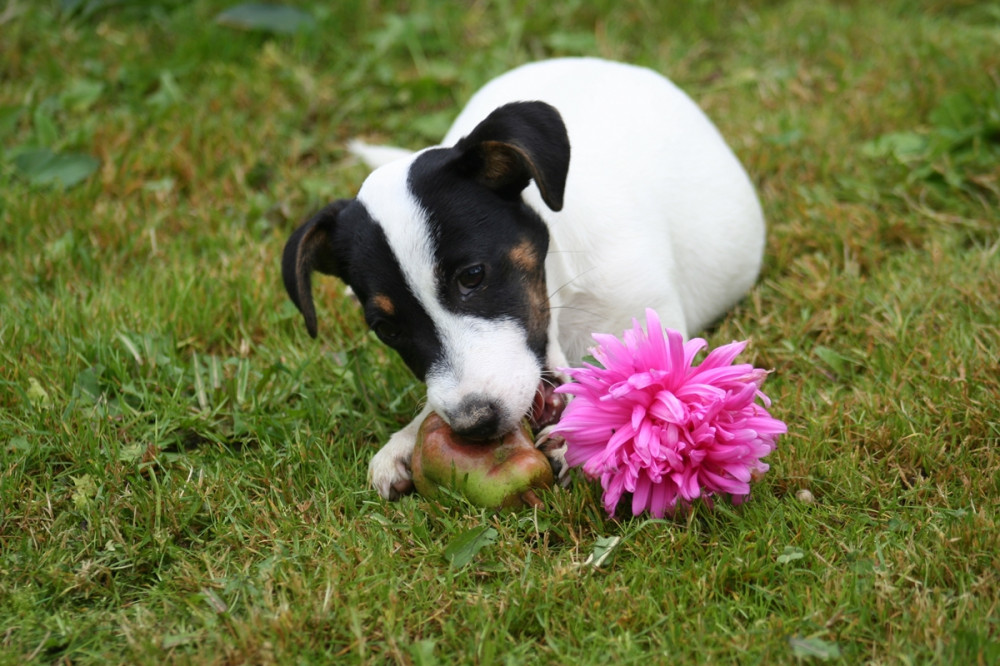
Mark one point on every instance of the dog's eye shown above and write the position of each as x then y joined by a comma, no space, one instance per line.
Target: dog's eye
387,331
470,278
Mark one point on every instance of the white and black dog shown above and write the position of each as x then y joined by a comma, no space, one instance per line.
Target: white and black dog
568,196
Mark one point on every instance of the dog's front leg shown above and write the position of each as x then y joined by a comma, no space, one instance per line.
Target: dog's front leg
389,470
554,446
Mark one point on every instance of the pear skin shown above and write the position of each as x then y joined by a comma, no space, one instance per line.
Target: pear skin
499,473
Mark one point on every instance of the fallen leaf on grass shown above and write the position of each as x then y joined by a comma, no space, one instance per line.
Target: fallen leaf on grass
41,166
836,361
214,600
84,490
266,17
804,648
790,554
38,396
603,548
467,545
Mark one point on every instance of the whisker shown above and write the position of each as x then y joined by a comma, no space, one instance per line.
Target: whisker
549,378
571,281
574,308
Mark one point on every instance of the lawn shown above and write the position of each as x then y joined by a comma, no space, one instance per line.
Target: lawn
182,469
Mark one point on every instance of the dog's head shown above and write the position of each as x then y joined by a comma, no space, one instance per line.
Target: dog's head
448,263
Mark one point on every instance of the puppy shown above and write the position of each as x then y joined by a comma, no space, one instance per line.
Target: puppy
568,196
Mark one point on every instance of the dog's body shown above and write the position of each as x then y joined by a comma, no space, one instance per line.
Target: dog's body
568,196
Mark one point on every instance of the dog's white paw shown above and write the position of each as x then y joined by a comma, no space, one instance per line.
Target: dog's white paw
389,469
554,448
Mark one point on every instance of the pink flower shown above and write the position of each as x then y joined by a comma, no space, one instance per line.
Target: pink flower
653,424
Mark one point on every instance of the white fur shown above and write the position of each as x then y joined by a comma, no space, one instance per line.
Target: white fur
486,357
658,213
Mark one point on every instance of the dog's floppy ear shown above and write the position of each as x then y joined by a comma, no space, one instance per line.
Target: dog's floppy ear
310,249
516,143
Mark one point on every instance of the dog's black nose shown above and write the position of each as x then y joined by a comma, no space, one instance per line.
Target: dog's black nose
477,418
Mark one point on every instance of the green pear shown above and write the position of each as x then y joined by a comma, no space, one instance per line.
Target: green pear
499,473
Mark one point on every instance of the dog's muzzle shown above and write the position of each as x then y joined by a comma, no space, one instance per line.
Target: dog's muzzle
477,417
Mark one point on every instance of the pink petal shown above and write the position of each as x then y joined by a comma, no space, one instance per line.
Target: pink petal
663,498
691,349
740,399
691,489
678,366
640,498
720,356
613,491
667,407
643,441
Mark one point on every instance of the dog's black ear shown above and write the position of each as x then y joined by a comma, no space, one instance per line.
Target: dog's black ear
310,249
516,143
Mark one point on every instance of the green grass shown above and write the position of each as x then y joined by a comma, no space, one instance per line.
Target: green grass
182,470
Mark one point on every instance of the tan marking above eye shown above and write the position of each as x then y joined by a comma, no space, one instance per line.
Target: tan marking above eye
384,303
523,256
